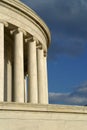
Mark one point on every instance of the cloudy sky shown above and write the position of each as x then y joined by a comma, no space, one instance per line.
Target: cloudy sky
67,55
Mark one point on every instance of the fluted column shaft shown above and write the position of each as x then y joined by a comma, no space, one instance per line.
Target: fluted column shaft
1,62
18,67
41,77
32,73
46,79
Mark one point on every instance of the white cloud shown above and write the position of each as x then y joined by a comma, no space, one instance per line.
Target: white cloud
77,97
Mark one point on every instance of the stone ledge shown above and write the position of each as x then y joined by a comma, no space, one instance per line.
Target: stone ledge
4,106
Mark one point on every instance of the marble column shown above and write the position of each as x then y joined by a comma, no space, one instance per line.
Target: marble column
32,73
1,62
18,67
41,75
46,79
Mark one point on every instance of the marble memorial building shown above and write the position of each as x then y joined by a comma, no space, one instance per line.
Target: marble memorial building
24,41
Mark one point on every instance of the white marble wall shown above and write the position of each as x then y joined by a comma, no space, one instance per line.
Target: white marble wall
42,117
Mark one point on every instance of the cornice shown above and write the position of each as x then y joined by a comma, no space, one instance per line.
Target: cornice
24,10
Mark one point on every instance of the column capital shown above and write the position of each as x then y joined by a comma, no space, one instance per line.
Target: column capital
37,41
39,46
4,23
45,54
34,39
17,30
31,39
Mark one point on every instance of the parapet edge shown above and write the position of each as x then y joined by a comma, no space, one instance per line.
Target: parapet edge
5,106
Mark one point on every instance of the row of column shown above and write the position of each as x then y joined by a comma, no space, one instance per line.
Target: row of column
37,69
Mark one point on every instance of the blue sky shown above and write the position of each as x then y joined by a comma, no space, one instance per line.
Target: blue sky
67,55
